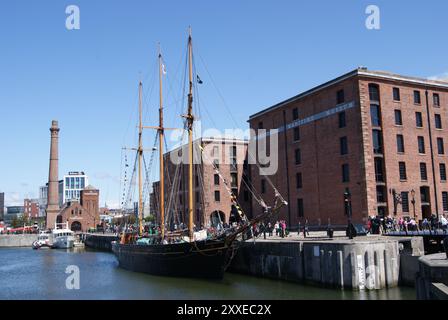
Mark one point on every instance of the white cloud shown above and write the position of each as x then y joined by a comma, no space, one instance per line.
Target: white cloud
13,199
442,77
106,176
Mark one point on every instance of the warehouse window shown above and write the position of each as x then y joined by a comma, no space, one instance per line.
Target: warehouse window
343,145
405,201
295,114
398,118
438,120
400,143
440,147
445,201
442,169
396,94
299,180
436,99
375,115
296,134
298,157
418,120
340,97
341,117
423,171
345,173
421,145
300,212
417,97
374,92
402,170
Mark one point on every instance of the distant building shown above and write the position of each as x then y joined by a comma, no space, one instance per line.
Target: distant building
13,212
43,195
69,189
211,198
74,182
84,214
31,208
2,205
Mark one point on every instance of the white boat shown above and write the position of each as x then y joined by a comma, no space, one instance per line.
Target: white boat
62,237
43,240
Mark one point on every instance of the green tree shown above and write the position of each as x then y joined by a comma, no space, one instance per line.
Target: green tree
150,218
15,222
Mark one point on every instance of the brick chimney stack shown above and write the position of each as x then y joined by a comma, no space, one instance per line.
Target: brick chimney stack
53,179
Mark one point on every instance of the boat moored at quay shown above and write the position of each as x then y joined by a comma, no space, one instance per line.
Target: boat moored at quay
191,251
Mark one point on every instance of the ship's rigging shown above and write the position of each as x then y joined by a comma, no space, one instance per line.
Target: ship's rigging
169,214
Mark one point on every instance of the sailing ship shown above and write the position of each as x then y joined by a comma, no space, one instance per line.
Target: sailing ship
174,253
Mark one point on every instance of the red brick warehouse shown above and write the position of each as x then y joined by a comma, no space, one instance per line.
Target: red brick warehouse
379,135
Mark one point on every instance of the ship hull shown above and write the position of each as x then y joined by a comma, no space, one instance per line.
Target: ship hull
205,259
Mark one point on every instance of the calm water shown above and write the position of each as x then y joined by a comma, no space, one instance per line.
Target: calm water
40,274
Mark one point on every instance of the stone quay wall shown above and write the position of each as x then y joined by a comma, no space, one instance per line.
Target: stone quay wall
360,264
17,240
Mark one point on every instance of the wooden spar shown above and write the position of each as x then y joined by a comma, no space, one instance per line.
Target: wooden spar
140,156
161,140
190,121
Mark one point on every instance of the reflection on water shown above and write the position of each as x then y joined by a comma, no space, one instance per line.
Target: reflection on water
40,274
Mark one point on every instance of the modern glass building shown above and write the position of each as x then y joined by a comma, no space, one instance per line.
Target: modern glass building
74,182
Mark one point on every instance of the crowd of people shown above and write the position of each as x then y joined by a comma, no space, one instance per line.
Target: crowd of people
381,225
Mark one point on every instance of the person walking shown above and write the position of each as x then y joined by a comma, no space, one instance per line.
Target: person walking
276,227
270,229
283,226
443,223
306,231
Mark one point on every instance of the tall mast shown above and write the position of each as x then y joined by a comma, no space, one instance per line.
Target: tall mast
190,120
140,156
161,140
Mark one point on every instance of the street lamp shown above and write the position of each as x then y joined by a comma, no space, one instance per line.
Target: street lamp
348,205
413,202
397,199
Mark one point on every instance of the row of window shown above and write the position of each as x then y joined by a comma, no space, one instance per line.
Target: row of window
405,201
72,194
340,98
75,182
341,121
232,150
343,150
418,119
376,120
421,145
374,95
423,171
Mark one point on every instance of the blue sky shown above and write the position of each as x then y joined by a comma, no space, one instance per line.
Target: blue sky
257,52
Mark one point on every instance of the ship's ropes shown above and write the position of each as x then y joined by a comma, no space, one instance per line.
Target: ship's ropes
251,157
148,169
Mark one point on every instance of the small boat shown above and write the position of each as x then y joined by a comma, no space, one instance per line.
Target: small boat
62,237
78,242
43,240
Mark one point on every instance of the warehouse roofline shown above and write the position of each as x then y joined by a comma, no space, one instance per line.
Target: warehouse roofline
361,71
